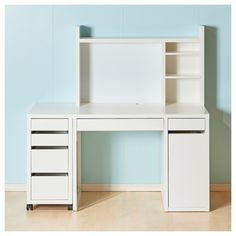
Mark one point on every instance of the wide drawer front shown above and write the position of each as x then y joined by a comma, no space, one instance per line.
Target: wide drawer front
49,161
49,124
49,139
119,124
49,187
186,124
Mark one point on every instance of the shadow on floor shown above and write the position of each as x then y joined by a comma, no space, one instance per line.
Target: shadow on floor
91,198
220,200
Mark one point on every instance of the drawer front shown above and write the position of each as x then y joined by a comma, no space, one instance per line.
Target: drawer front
119,124
49,140
186,124
49,187
49,124
49,161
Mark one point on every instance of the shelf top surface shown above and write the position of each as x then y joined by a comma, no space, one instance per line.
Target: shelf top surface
111,110
133,39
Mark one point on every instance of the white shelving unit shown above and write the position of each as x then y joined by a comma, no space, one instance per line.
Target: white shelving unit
140,70
184,70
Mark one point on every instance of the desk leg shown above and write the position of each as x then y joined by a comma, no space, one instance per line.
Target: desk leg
76,166
165,171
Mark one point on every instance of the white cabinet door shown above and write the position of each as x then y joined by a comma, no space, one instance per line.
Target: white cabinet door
188,172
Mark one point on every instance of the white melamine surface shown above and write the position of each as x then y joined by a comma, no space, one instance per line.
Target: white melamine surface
49,160
49,187
138,40
49,124
120,124
188,172
186,124
119,73
49,140
116,110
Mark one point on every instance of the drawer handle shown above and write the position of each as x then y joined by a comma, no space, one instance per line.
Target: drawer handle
49,147
49,174
49,132
186,131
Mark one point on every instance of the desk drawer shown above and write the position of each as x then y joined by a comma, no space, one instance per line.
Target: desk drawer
49,160
49,187
186,124
49,139
49,124
119,124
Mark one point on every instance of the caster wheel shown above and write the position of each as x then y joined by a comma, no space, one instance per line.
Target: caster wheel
29,207
70,207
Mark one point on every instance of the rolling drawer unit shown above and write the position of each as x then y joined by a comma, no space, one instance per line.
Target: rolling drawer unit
49,161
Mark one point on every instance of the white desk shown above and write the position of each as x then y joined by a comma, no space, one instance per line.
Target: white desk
185,154
126,83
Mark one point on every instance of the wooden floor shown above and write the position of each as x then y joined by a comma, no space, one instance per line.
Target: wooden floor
116,211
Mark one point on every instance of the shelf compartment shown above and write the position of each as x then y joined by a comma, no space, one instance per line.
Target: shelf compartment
182,47
183,65
183,91
190,53
183,76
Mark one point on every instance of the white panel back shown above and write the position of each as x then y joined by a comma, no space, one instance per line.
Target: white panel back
121,73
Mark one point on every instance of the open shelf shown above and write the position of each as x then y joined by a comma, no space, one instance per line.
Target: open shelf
190,53
182,66
182,47
183,91
87,40
183,76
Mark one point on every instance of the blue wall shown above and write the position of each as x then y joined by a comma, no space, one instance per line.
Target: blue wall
40,67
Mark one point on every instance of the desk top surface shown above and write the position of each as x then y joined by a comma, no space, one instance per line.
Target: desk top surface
111,110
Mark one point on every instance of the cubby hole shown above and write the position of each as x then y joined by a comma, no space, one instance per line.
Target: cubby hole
187,66
183,91
175,47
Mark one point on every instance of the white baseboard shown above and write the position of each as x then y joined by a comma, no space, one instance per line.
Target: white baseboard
121,187
15,187
220,187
